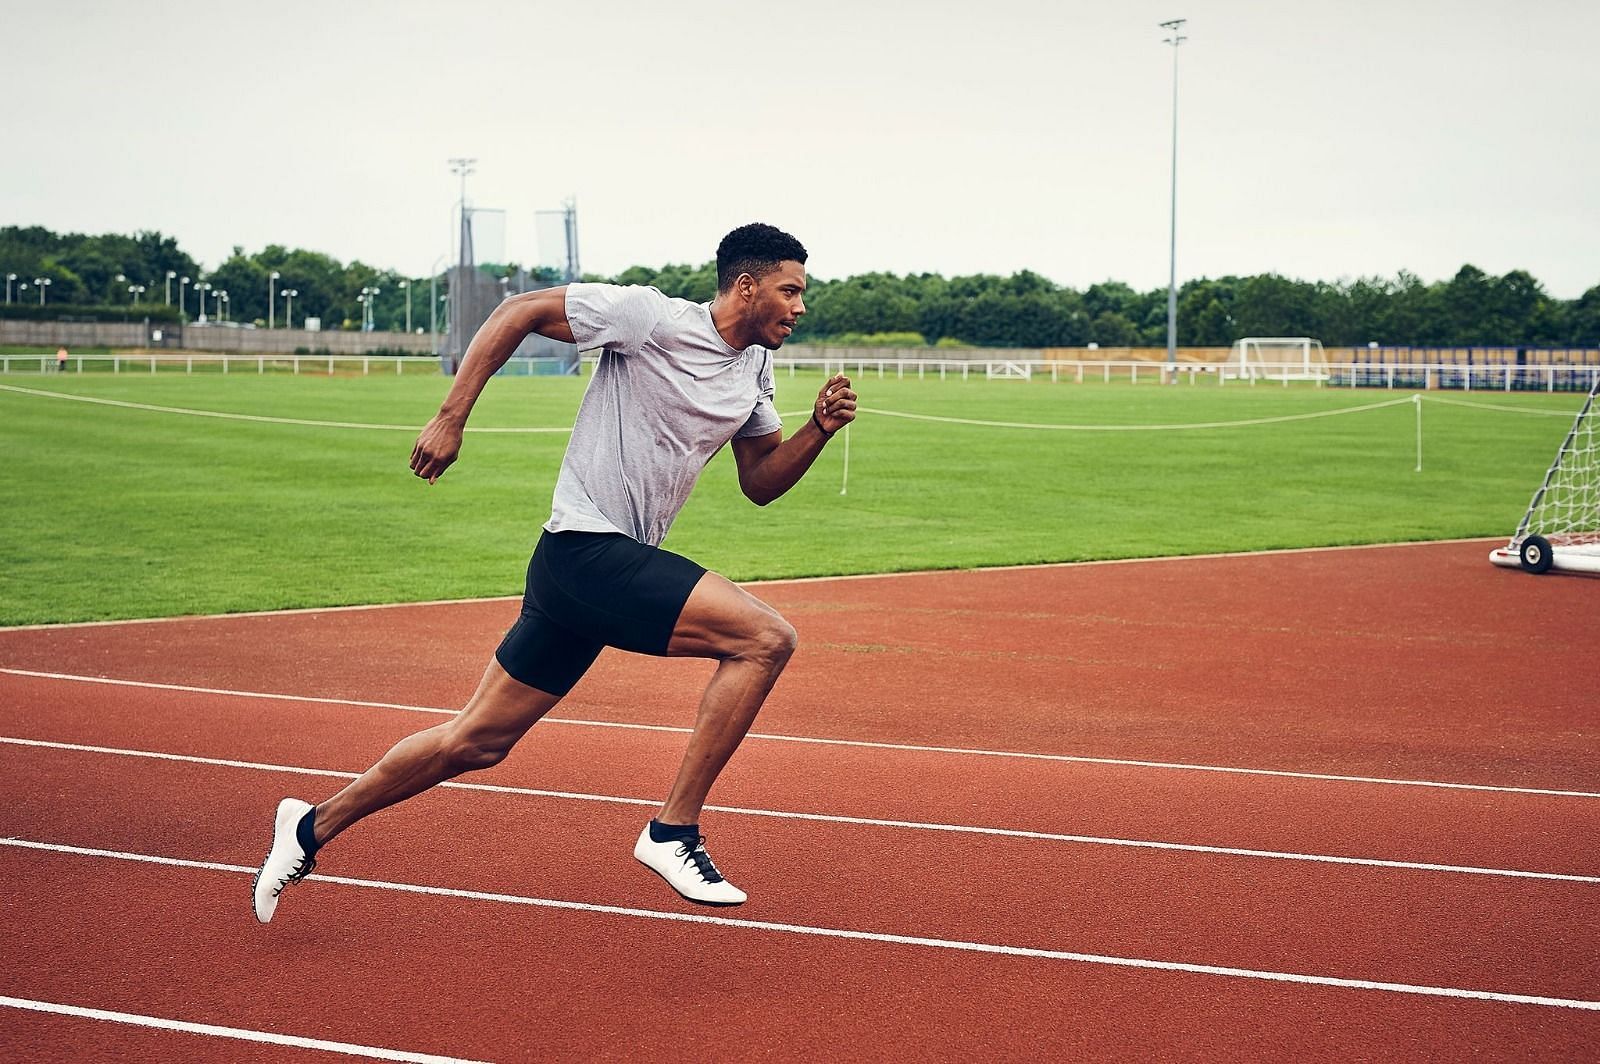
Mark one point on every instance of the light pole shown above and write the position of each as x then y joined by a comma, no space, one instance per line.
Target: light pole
200,289
462,167
272,305
9,278
433,304
288,295
166,293
1175,27
222,305
367,295
183,287
406,285
134,292
41,283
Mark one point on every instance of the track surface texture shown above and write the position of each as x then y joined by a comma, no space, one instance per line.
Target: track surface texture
1323,805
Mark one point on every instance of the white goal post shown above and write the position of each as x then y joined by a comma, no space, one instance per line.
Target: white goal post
1561,529
1276,358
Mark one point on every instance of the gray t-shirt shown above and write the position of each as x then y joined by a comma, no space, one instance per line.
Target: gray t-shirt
667,393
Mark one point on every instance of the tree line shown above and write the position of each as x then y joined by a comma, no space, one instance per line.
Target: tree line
1472,308
147,274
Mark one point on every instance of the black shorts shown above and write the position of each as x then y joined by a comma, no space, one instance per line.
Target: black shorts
588,590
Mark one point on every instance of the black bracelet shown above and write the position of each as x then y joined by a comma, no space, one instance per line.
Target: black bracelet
817,422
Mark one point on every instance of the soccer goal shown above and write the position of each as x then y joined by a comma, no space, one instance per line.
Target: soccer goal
1561,529
1276,358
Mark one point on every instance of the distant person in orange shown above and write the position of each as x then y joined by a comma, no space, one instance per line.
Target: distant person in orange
61,359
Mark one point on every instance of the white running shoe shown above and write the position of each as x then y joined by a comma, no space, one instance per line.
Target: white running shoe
687,868
287,862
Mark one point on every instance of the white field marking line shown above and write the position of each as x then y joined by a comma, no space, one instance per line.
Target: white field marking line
831,818
161,1023
1072,759
843,933
1503,409
262,418
1138,428
774,581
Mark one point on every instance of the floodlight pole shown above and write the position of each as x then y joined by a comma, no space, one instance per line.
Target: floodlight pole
463,167
1175,27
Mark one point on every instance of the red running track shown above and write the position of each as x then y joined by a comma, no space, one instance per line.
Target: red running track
542,939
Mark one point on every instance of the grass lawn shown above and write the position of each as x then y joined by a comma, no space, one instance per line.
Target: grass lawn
114,511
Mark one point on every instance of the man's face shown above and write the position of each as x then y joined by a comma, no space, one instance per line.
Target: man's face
776,303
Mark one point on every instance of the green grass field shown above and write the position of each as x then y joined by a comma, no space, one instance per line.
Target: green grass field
118,512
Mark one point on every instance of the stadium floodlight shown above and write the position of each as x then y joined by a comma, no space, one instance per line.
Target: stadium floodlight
368,319
272,303
183,287
166,292
200,290
9,278
1175,27
406,287
41,283
288,295
134,292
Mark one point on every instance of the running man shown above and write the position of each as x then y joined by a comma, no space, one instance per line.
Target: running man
675,382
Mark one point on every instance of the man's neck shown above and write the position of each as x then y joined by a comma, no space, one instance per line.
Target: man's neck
725,319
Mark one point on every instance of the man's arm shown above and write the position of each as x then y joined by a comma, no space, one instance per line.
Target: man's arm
543,312
770,465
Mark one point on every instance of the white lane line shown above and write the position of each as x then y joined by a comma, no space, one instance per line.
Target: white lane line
843,933
1073,759
242,1034
833,818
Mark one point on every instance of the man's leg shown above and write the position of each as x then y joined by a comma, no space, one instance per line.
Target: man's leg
499,713
752,643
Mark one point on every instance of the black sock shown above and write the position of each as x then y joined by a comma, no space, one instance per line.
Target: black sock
660,832
304,834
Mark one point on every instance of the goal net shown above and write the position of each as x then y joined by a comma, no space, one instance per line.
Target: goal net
1561,529
1276,358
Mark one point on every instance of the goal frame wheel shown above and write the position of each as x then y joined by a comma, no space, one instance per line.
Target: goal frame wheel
1535,554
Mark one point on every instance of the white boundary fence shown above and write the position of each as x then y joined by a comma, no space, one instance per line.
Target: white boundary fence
259,364
1495,376
1427,376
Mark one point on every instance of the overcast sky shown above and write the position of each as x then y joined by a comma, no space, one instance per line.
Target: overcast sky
1321,141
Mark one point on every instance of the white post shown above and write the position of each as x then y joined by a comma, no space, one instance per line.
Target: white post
844,483
1416,401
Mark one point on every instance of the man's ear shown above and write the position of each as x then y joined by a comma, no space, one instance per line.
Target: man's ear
745,286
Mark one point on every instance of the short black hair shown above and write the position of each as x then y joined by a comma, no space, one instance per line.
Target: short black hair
756,249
